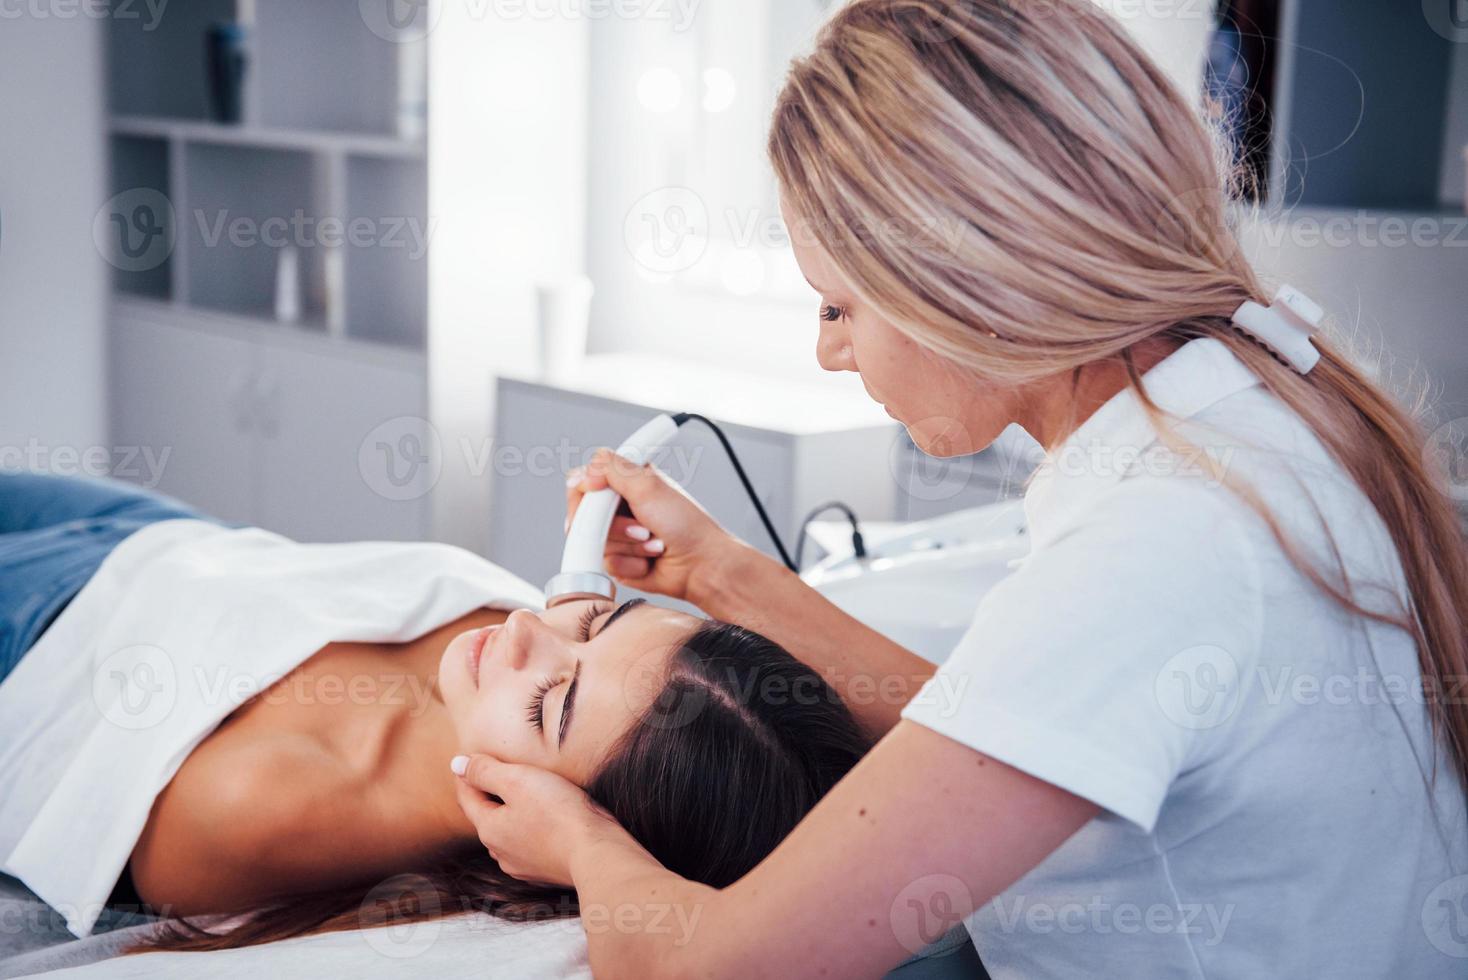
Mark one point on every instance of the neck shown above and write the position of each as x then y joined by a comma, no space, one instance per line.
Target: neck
1061,404
415,764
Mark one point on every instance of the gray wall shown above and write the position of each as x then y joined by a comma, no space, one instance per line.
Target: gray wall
1455,138
53,282
1364,92
1384,290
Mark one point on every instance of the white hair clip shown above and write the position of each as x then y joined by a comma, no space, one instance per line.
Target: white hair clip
1285,326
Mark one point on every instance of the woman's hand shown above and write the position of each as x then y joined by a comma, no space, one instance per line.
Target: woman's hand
669,544
541,822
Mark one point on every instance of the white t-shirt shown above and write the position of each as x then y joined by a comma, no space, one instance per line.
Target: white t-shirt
181,624
1260,755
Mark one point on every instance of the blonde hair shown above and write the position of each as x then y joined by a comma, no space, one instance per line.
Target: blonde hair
1020,190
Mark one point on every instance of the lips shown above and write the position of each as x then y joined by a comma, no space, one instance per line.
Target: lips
476,651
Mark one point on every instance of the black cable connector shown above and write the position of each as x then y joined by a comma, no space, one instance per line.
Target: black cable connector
682,417
858,546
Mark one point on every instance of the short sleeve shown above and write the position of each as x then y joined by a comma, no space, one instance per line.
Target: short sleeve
1107,663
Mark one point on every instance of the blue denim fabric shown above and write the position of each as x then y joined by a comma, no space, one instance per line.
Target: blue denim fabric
54,533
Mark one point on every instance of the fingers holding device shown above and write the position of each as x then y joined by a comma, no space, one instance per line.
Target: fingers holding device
667,537
581,575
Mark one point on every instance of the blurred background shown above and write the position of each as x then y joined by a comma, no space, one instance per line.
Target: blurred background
386,269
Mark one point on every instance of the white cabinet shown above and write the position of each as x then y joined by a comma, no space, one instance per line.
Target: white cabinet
182,396
268,427
329,421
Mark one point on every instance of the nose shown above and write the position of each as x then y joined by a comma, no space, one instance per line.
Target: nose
529,643
833,347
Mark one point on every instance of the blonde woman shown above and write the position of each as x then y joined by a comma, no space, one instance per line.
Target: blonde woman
1214,725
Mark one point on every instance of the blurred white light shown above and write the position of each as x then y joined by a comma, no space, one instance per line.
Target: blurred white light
743,272
660,90
645,261
719,89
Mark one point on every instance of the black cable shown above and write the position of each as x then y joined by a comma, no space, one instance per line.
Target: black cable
682,417
858,546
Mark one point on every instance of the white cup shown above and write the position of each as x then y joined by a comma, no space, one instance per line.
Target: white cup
564,309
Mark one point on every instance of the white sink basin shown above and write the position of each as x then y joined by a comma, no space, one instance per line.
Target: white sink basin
921,586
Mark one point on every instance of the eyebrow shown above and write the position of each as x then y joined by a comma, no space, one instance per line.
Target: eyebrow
568,704
624,608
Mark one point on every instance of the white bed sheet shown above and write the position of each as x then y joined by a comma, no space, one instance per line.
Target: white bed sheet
471,947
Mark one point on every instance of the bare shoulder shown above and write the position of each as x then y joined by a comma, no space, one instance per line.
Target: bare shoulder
243,820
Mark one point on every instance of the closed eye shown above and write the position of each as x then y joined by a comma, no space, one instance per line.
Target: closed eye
535,710
583,627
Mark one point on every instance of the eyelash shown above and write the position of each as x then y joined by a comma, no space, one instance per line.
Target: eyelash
831,313
535,710
583,628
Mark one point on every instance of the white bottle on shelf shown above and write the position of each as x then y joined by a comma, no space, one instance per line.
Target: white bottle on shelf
288,285
412,110
334,274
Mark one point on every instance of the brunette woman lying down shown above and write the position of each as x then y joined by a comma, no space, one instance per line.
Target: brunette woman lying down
215,719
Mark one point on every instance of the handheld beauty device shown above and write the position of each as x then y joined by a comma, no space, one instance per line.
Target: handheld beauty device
581,575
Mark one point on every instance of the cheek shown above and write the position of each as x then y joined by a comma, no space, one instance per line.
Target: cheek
947,412
900,373
492,725
488,719
959,422
453,675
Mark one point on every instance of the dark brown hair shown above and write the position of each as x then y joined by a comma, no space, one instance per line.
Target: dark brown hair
739,745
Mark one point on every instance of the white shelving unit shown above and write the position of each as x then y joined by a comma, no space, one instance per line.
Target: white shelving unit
275,423
264,422
353,206
264,137
316,164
